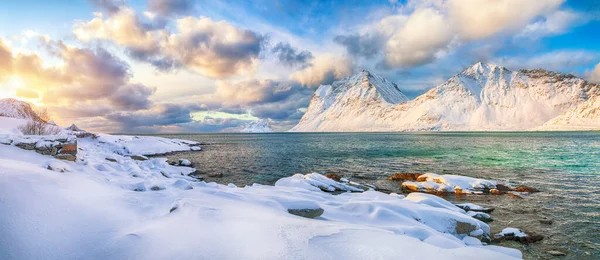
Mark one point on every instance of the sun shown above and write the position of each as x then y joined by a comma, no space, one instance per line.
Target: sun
14,82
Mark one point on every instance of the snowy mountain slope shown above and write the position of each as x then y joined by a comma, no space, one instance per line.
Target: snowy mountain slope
583,117
13,108
355,102
482,97
258,126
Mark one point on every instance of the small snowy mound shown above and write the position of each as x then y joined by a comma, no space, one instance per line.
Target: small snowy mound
434,183
258,126
312,180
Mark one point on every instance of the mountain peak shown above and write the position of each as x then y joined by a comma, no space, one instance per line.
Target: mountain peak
259,126
10,107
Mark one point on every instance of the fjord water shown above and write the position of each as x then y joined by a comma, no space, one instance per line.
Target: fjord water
565,166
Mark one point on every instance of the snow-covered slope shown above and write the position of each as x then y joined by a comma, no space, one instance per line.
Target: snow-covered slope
10,107
482,97
258,126
583,117
356,103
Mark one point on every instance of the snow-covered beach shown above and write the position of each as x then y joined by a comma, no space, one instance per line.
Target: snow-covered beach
114,203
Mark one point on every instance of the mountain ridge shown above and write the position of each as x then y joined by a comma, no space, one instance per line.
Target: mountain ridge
482,97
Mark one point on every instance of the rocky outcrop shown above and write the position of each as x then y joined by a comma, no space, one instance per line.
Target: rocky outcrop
307,213
61,147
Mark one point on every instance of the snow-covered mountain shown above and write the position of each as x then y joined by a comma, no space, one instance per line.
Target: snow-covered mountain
482,97
583,117
258,126
356,103
10,107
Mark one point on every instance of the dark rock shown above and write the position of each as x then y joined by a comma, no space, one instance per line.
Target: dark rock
111,159
514,195
333,176
215,175
546,221
464,228
156,188
307,213
70,148
26,146
66,157
482,216
526,189
502,188
405,176
467,208
139,157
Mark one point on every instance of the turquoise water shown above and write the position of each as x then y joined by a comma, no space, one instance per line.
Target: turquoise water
565,166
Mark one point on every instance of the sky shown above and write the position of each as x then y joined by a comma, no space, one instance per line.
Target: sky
185,66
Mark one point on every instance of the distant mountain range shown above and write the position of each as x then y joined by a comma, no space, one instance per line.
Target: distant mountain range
483,97
258,126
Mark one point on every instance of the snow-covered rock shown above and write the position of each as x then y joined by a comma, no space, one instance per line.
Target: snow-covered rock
482,97
258,126
152,210
448,183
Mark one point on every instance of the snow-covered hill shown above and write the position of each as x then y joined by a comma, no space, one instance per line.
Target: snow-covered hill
482,97
258,126
10,107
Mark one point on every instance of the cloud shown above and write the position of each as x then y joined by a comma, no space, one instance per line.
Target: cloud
252,91
111,6
476,19
367,45
325,69
418,40
291,57
168,7
554,23
5,60
419,32
594,74
132,97
85,83
212,48
561,60
288,109
160,115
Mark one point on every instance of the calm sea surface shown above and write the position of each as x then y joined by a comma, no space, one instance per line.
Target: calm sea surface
565,166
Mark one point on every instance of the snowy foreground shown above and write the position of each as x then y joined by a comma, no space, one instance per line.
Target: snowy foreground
106,205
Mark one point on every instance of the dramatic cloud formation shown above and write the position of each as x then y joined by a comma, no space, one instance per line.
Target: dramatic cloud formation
289,56
325,69
423,31
86,76
212,48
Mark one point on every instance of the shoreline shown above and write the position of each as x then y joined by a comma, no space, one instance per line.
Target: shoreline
99,160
